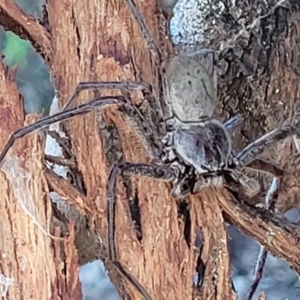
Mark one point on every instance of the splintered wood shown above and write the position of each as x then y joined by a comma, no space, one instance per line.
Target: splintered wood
101,41
118,52
206,214
30,256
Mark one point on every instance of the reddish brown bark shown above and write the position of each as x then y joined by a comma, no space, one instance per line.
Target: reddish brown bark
101,40
30,255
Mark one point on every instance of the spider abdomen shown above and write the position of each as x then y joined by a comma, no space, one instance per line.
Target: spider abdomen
190,89
205,146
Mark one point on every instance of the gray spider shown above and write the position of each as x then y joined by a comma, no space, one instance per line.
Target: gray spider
194,152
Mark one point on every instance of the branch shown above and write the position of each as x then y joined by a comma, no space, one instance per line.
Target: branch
14,19
25,209
215,254
263,253
258,272
277,235
66,191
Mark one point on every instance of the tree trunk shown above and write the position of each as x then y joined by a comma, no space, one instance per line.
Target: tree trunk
102,41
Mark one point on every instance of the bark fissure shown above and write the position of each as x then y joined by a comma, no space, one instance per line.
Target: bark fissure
102,41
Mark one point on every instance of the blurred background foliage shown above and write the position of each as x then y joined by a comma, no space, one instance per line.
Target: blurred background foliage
32,76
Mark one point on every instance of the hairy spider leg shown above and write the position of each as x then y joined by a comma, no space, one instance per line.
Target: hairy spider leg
256,148
250,156
250,186
136,119
188,184
100,102
111,85
183,187
136,169
159,104
146,133
132,280
146,34
163,173
259,164
60,116
201,184
233,124
266,166
96,103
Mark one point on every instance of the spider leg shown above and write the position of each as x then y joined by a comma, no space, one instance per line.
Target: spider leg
112,85
233,124
60,116
250,186
183,187
147,136
203,183
143,129
250,153
147,35
129,168
265,175
132,280
262,165
160,106
137,169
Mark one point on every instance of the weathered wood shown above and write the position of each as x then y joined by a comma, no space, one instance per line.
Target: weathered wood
101,41
260,82
30,256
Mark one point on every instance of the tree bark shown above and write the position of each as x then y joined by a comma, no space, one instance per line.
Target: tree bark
101,41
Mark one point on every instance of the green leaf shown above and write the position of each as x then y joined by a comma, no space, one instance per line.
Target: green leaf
15,50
